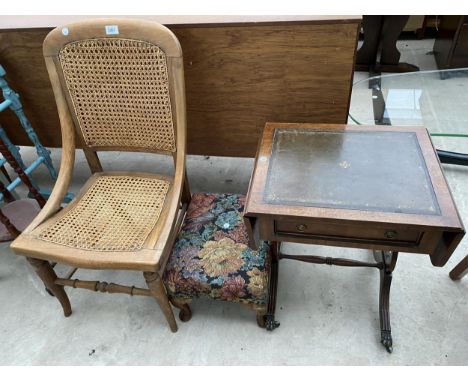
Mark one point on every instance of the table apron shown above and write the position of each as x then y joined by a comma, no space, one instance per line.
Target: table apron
435,243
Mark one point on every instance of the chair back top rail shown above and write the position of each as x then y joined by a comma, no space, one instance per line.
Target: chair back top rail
119,80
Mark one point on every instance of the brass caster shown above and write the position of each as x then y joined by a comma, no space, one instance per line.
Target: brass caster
386,340
271,324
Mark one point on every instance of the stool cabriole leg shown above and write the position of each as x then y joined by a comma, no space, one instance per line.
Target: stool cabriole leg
185,313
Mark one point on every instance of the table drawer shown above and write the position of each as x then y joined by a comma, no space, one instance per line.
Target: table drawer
327,231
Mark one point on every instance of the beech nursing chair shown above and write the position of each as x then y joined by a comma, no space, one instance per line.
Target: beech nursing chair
119,86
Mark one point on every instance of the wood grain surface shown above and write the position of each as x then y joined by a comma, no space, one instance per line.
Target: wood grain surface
238,76
437,235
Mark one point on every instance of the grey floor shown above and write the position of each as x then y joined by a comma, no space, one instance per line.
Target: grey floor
329,316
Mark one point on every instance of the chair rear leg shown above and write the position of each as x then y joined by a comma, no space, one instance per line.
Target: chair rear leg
156,286
186,195
48,276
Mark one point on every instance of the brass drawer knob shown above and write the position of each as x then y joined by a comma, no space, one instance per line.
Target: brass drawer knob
301,227
390,234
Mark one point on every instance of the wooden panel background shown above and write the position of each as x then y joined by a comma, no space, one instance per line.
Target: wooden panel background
238,76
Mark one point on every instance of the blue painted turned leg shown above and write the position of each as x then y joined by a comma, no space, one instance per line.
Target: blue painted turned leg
12,101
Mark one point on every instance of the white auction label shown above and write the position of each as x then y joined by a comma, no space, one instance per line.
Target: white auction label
112,29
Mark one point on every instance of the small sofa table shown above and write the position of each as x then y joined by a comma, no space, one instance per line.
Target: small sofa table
373,187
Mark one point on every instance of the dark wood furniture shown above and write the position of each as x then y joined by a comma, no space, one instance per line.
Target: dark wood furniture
451,44
460,270
374,187
380,35
17,214
240,72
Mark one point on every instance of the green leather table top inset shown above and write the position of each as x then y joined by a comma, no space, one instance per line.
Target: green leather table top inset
370,171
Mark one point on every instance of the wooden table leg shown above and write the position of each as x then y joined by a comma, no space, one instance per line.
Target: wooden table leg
383,32
391,29
460,270
271,324
366,56
388,261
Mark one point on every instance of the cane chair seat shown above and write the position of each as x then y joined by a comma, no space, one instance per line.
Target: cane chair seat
113,215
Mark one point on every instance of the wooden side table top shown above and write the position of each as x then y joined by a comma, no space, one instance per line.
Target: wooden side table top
374,187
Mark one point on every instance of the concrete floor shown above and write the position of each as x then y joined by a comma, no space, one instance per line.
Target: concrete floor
328,315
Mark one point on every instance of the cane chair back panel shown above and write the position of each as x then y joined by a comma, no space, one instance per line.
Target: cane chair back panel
119,89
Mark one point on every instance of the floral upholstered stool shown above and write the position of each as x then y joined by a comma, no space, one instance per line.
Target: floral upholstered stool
211,257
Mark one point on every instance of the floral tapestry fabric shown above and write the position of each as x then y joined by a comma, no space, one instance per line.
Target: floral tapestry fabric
211,255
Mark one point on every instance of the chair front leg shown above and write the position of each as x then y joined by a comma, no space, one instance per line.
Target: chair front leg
156,286
48,276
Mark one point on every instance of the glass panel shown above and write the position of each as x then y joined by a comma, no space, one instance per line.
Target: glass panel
375,171
437,100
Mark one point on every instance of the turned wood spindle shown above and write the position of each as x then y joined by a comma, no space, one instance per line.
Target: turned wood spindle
8,224
7,195
22,175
